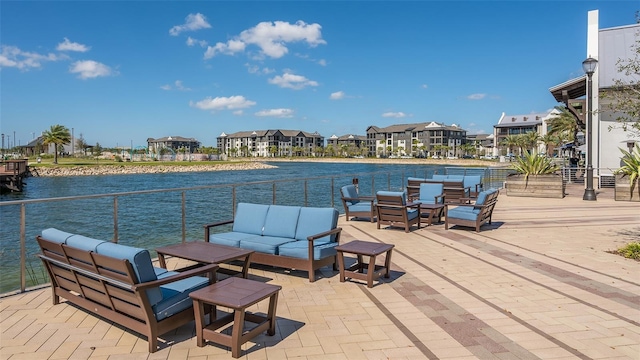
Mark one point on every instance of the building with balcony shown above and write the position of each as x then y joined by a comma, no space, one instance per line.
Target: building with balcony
173,144
421,139
269,143
347,145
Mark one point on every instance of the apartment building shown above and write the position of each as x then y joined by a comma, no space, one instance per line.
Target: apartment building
421,139
173,143
269,143
346,144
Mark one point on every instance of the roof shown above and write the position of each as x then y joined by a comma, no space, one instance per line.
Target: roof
575,88
348,137
397,128
172,138
271,132
520,120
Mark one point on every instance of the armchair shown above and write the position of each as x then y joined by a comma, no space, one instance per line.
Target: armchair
474,183
393,210
355,205
473,215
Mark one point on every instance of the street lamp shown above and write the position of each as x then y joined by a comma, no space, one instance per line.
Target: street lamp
589,66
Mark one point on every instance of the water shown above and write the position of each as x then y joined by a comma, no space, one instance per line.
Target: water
152,220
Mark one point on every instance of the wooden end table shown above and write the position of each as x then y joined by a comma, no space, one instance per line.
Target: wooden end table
364,248
206,253
434,209
237,294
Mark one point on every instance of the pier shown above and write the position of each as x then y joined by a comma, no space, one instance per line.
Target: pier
12,174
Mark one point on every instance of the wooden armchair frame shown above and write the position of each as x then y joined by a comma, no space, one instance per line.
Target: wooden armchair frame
394,211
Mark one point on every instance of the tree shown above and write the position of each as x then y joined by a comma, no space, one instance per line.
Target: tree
57,135
623,98
82,144
273,150
509,142
97,151
530,141
564,125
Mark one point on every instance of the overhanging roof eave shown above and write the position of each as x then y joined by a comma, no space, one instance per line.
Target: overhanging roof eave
575,88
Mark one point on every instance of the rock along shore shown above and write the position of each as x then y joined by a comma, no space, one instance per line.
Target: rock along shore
93,170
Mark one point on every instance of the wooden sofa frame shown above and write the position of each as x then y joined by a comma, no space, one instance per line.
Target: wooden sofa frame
484,217
309,264
106,287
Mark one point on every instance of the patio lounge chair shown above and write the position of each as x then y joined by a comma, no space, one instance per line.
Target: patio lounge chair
393,210
357,206
473,215
431,193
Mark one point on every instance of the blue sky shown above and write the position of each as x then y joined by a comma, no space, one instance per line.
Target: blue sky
119,72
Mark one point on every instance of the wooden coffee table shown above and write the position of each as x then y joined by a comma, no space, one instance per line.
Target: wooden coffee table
364,248
434,209
237,294
206,253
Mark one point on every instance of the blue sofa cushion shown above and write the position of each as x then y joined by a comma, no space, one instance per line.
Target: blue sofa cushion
412,213
140,261
482,196
360,207
83,242
312,221
463,212
55,235
349,191
264,244
455,177
281,221
300,249
402,194
161,272
249,218
175,295
230,238
429,191
471,181
439,177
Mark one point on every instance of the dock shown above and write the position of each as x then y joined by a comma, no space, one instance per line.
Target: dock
12,174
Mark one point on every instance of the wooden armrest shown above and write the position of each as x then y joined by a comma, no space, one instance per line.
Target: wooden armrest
207,227
323,234
210,268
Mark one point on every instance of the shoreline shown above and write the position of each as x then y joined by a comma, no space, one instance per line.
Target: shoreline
249,164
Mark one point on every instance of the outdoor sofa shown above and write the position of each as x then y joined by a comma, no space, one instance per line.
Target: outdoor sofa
294,237
120,283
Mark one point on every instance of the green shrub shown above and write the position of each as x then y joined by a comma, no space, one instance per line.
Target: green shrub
630,251
532,164
631,167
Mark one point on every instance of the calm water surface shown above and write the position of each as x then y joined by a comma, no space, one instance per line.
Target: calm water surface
152,220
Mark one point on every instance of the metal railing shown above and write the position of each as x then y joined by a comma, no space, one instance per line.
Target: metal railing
149,216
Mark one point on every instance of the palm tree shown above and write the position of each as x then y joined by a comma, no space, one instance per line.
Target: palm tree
57,135
530,140
563,124
509,142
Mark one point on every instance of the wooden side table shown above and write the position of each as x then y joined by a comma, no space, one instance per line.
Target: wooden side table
364,248
237,294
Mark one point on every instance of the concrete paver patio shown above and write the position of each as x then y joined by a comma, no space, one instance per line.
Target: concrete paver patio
536,284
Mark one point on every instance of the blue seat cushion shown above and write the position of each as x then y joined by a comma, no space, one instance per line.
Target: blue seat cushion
232,238
55,235
281,221
264,244
415,179
249,218
363,206
460,213
314,221
162,272
300,249
455,177
412,213
175,295
140,260
83,242
349,191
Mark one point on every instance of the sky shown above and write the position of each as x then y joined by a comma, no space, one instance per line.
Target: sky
119,72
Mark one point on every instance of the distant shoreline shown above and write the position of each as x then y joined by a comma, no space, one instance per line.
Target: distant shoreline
249,164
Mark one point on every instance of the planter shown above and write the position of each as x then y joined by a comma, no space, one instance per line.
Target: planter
623,189
542,186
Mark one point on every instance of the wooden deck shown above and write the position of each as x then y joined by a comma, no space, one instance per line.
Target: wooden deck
12,174
538,283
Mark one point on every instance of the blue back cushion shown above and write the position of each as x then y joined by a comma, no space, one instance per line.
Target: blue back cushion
439,177
482,196
455,177
402,194
250,218
429,191
55,235
471,181
83,242
349,191
313,221
281,221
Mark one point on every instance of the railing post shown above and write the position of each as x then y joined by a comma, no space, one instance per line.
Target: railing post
184,217
389,181
373,185
233,200
306,198
273,201
23,247
332,191
115,219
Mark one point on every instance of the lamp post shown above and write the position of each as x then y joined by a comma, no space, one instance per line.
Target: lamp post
589,66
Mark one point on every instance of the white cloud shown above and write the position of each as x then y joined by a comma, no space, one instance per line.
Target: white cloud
223,103
476,96
271,38
255,69
89,69
280,113
191,42
12,56
178,86
166,87
238,112
193,22
67,45
424,86
322,62
337,95
391,114
292,81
